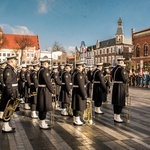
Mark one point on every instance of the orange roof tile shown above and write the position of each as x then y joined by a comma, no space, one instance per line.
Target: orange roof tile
1,30
70,57
11,43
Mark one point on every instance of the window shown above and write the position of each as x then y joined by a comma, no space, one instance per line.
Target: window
4,54
145,50
28,55
138,51
8,54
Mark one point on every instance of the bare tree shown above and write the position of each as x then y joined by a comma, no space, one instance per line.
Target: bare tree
57,47
3,41
23,42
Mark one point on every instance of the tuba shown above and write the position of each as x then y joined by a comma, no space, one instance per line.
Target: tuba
87,115
10,108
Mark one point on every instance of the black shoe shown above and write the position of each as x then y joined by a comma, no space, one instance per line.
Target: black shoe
118,121
11,131
49,128
77,124
99,113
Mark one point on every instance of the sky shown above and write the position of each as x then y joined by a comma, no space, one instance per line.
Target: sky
69,22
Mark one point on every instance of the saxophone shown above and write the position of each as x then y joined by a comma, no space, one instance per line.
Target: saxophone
10,108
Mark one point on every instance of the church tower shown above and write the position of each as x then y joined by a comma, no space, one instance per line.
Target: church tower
119,33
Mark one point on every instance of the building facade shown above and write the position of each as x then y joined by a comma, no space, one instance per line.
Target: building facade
141,54
25,47
108,51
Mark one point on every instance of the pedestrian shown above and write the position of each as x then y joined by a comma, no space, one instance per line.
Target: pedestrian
120,79
44,94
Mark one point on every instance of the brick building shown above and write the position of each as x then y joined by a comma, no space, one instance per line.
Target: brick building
141,54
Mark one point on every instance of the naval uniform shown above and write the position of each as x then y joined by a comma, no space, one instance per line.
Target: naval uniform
11,86
44,94
79,94
99,88
66,87
33,89
21,84
120,78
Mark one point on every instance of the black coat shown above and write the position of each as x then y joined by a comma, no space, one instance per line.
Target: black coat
1,80
44,94
34,86
65,92
79,94
56,82
11,85
99,86
119,89
27,83
21,83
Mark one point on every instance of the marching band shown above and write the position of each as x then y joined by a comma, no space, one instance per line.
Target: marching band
41,89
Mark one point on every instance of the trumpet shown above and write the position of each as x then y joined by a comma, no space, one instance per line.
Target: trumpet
10,108
106,78
70,111
87,115
32,94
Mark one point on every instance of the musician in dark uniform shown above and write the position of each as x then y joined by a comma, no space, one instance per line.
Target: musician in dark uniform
106,74
2,85
61,70
33,89
120,79
89,77
99,88
44,94
56,83
79,94
21,81
66,89
10,90
27,87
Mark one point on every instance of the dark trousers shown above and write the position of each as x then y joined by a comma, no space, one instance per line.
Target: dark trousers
64,105
118,109
97,103
33,107
42,115
76,113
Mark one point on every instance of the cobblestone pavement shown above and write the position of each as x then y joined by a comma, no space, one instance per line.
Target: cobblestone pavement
104,134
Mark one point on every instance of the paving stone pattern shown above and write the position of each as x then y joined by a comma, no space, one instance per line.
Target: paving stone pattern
104,134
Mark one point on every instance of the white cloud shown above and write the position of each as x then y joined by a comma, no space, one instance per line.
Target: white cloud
70,49
44,6
16,30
